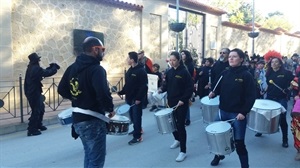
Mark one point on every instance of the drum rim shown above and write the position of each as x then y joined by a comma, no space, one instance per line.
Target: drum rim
267,100
215,100
218,122
169,110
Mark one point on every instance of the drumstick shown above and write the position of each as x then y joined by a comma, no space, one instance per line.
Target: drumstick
272,82
217,83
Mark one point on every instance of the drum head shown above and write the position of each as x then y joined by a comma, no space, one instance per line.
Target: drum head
266,104
218,127
66,113
164,111
207,101
123,109
120,118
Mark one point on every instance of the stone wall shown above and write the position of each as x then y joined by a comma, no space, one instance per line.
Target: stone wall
46,27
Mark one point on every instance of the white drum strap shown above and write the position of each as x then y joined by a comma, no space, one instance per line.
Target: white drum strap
92,113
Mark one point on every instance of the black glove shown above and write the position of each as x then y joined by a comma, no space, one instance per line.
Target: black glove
55,65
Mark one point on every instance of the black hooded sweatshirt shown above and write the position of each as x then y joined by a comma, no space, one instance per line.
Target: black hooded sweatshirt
136,84
236,90
85,84
179,85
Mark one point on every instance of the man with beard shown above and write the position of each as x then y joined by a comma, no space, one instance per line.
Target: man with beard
220,65
85,84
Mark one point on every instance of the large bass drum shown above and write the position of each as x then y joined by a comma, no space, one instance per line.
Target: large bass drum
210,109
264,116
220,138
165,121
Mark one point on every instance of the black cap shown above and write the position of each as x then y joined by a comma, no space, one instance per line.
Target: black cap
34,57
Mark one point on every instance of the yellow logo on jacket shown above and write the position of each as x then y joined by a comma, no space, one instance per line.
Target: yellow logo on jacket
178,76
133,75
74,87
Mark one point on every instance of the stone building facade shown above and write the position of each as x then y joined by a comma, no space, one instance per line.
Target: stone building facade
46,27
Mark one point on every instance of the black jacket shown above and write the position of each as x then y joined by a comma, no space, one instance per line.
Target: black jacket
136,84
237,90
85,84
281,78
217,69
33,77
179,85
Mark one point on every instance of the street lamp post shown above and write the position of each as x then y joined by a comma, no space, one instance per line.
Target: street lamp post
253,34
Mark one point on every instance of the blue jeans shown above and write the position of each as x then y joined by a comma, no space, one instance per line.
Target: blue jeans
239,126
93,136
136,113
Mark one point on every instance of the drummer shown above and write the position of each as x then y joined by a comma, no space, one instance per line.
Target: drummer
237,95
278,80
179,86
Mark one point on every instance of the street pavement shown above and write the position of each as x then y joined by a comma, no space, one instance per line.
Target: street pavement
56,148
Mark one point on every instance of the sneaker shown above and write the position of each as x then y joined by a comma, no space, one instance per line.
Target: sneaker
285,144
181,157
297,158
33,133
135,141
175,144
131,133
217,159
258,134
42,128
187,122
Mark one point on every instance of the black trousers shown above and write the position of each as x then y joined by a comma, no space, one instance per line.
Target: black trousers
180,134
37,112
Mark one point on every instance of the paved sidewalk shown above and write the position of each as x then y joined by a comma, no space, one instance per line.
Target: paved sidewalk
12,125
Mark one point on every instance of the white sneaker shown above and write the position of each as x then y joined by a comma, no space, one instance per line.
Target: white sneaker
175,144
181,157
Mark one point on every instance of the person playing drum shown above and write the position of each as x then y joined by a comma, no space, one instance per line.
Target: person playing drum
179,86
85,84
279,81
236,89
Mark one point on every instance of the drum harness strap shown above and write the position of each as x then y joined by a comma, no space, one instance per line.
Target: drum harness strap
92,113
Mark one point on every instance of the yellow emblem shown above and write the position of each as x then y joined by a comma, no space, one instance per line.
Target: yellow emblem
74,87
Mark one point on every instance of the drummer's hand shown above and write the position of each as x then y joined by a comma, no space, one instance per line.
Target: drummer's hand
211,95
240,116
180,103
111,114
137,102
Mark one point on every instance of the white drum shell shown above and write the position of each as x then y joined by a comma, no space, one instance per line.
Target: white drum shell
258,122
165,121
220,138
210,109
65,117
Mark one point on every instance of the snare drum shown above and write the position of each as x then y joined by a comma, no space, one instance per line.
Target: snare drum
118,125
65,117
165,121
123,110
264,116
210,109
220,138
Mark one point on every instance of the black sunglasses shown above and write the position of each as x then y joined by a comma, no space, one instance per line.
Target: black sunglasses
223,53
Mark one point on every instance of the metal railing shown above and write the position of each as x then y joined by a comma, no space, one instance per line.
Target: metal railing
13,103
